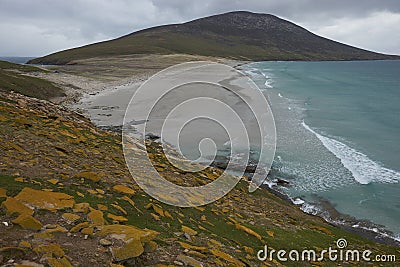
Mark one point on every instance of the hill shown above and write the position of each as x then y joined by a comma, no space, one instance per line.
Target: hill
67,198
237,35
21,79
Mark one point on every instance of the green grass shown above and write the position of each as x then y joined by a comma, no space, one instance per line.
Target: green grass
14,77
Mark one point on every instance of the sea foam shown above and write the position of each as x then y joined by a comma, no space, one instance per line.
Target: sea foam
363,169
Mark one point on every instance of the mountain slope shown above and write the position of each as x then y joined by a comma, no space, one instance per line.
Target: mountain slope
237,35
22,79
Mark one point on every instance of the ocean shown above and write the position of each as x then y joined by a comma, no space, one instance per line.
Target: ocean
18,60
338,126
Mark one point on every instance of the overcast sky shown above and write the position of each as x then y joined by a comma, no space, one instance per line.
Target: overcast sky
40,27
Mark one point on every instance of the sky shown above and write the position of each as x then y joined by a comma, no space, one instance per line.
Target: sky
40,27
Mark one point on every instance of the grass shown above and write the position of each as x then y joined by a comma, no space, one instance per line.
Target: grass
15,77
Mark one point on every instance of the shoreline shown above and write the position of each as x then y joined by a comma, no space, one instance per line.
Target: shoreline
83,87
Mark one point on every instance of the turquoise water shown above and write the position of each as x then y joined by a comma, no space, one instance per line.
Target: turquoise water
338,126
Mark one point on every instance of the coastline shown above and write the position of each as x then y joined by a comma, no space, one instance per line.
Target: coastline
77,88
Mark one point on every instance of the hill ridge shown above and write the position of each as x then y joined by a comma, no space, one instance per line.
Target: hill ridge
240,35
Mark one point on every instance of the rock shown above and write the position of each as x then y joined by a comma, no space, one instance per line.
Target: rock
53,181
63,262
25,244
29,264
96,217
189,261
191,247
248,230
100,191
168,215
79,227
116,218
105,242
53,249
282,182
89,176
45,200
188,230
81,207
87,231
102,207
14,206
132,249
126,232
119,208
152,137
123,189
28,222
270,233
227,257
3,192
70,217
150,246
43,235
55,228
133,237
155,216
126,198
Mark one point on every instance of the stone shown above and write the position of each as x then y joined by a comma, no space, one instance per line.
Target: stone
63,262
53,181
105,242
45,200
79,227
89,176
53,249
14,206
116,218
227,257
102,207
119,208
25,244
150,246
270,233
168,215
3,192
155,216
81,207
127,232
70,217
96,217
191,247
132,249
87,231
55,228
28,222
188,230
100,191
123,189
248,230
26,263
130,201
189,261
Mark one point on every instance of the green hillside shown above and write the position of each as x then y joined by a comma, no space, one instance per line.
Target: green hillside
237,35
20,79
